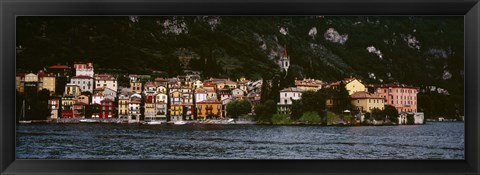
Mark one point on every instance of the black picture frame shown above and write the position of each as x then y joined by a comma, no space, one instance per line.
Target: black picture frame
12,8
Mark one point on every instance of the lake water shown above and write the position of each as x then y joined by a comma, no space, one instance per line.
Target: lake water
436,140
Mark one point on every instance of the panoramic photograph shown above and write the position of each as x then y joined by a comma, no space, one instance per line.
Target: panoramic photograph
240,87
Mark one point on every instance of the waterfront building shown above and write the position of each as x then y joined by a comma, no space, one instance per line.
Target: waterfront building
85,83
67,102
46,81
79,110
123,111
287,96
134,108
284,61
72,90
150,93
67,113
106,80
308,84
402,97
418,118
54,106
20,82
107,108
365,102
209,109
85,69
181,100
161,106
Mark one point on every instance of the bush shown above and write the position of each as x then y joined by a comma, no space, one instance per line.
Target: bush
310,117
280,119
330,118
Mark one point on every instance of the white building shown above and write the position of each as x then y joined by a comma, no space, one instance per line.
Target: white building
85,69
418,118
106,80
200,95
287,96
84,82
134,108
238,94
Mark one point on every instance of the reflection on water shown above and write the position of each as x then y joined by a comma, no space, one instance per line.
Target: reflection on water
113,141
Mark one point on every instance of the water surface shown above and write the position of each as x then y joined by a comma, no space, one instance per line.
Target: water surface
436,140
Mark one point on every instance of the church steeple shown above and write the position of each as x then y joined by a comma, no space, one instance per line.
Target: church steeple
284,61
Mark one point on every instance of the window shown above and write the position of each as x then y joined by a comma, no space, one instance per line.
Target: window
285,101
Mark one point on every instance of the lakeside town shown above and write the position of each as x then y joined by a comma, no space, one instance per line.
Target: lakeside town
80,94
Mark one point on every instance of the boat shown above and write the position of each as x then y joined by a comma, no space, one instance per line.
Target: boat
22,112
88,120
180,122
153,122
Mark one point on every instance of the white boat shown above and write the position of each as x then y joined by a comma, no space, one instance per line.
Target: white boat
153,122
22,112
88,120
180,122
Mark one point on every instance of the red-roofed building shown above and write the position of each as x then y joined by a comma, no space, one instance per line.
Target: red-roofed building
83,69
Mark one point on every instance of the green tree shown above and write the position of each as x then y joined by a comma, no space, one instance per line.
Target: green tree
342,100
391,113
410,119
265,111
378,114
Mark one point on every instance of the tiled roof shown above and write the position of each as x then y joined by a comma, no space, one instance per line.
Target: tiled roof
364,95
292,89
58,67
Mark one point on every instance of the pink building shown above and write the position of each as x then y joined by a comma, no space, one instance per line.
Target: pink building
402,97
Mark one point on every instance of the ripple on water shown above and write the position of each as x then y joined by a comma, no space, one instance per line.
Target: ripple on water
104,141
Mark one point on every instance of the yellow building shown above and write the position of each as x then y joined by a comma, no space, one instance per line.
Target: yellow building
46,81
72,90
209,108
67,102
123,106
176,112
353,85
365,102
19,82
31,77
136,86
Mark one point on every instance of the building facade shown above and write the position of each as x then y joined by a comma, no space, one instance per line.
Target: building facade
402,97
366,102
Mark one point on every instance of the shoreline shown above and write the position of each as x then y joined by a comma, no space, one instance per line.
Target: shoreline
215,122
